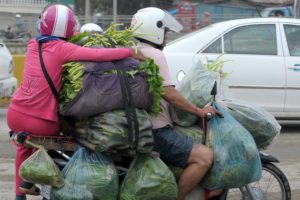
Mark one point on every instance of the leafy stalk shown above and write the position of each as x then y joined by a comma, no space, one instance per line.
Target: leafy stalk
73,71
217,66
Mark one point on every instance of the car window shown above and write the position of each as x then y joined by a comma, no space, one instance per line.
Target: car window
250,39
215,47
292,33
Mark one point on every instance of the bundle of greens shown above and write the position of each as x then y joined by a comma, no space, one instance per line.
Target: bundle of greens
196,86
73,72
39,168
261,124
217,66
109,131
236,158
148,178
88,176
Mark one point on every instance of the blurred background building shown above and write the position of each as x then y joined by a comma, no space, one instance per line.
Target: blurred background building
193,14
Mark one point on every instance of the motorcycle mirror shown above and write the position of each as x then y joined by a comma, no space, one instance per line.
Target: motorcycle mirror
214,90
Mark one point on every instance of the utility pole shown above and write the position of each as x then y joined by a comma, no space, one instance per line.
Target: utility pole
296,9
87,11
115,11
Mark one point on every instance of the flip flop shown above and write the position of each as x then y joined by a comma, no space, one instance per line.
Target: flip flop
29,188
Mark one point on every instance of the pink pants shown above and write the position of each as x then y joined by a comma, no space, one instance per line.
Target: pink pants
19,122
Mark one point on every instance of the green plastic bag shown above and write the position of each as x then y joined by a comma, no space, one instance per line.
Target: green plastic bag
195,132
261,124
109,131
196,87
148,178
236,157
39,168
88,176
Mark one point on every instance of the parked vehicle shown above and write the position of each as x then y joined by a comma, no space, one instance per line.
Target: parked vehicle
8,83
261,56
273,11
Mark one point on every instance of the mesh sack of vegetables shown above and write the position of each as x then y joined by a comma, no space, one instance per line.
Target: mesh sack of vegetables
102,89
194,131
88,176
148,178
196,86
236,157
109,131
39,168
260,123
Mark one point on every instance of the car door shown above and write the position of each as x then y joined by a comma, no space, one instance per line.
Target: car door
254,60
292,60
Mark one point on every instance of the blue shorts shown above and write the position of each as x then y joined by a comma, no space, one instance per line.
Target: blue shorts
174,148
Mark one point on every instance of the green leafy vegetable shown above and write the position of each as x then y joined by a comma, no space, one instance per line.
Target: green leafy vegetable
217,66
73,71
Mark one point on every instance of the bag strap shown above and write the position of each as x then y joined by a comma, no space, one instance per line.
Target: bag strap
130,111
49,80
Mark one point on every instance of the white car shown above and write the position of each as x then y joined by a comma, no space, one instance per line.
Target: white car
263,59
8,83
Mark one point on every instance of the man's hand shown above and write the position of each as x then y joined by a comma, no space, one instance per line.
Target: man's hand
208,110
137,54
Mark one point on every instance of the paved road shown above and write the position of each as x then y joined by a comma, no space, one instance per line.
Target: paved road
286,148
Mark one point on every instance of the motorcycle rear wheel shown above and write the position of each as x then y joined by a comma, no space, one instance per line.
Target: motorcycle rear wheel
272,185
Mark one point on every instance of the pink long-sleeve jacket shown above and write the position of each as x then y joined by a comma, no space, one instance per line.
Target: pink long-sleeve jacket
34,97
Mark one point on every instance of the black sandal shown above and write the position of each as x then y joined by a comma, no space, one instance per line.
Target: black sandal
29,188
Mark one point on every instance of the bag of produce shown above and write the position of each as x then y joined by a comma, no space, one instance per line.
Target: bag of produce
236,157
148,178
91,88
39,168
196,86
88,176
102,89
260,123
109,131
195,132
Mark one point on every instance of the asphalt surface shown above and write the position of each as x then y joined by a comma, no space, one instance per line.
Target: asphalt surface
286,148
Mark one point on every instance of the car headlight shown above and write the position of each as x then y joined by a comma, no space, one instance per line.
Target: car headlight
11,67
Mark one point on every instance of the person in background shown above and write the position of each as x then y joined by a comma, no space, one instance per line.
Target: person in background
278,13
20,25
33,107
205,21
9,34
174,149
91,28
37,25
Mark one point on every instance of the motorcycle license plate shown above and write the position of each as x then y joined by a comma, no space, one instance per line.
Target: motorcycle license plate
45,191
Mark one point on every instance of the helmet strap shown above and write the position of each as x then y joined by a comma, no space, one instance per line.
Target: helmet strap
157,46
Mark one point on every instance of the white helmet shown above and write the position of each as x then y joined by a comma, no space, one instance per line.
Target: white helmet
91,27
152,23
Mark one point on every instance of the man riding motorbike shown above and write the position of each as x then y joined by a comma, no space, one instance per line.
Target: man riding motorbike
175,149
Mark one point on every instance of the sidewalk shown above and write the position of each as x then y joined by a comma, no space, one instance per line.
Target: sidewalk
7,180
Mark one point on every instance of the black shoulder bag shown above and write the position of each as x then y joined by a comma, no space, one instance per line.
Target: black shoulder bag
66,123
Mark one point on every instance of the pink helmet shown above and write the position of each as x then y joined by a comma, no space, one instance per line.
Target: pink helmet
58,20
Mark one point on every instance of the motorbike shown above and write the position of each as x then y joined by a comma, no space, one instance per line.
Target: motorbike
273,183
